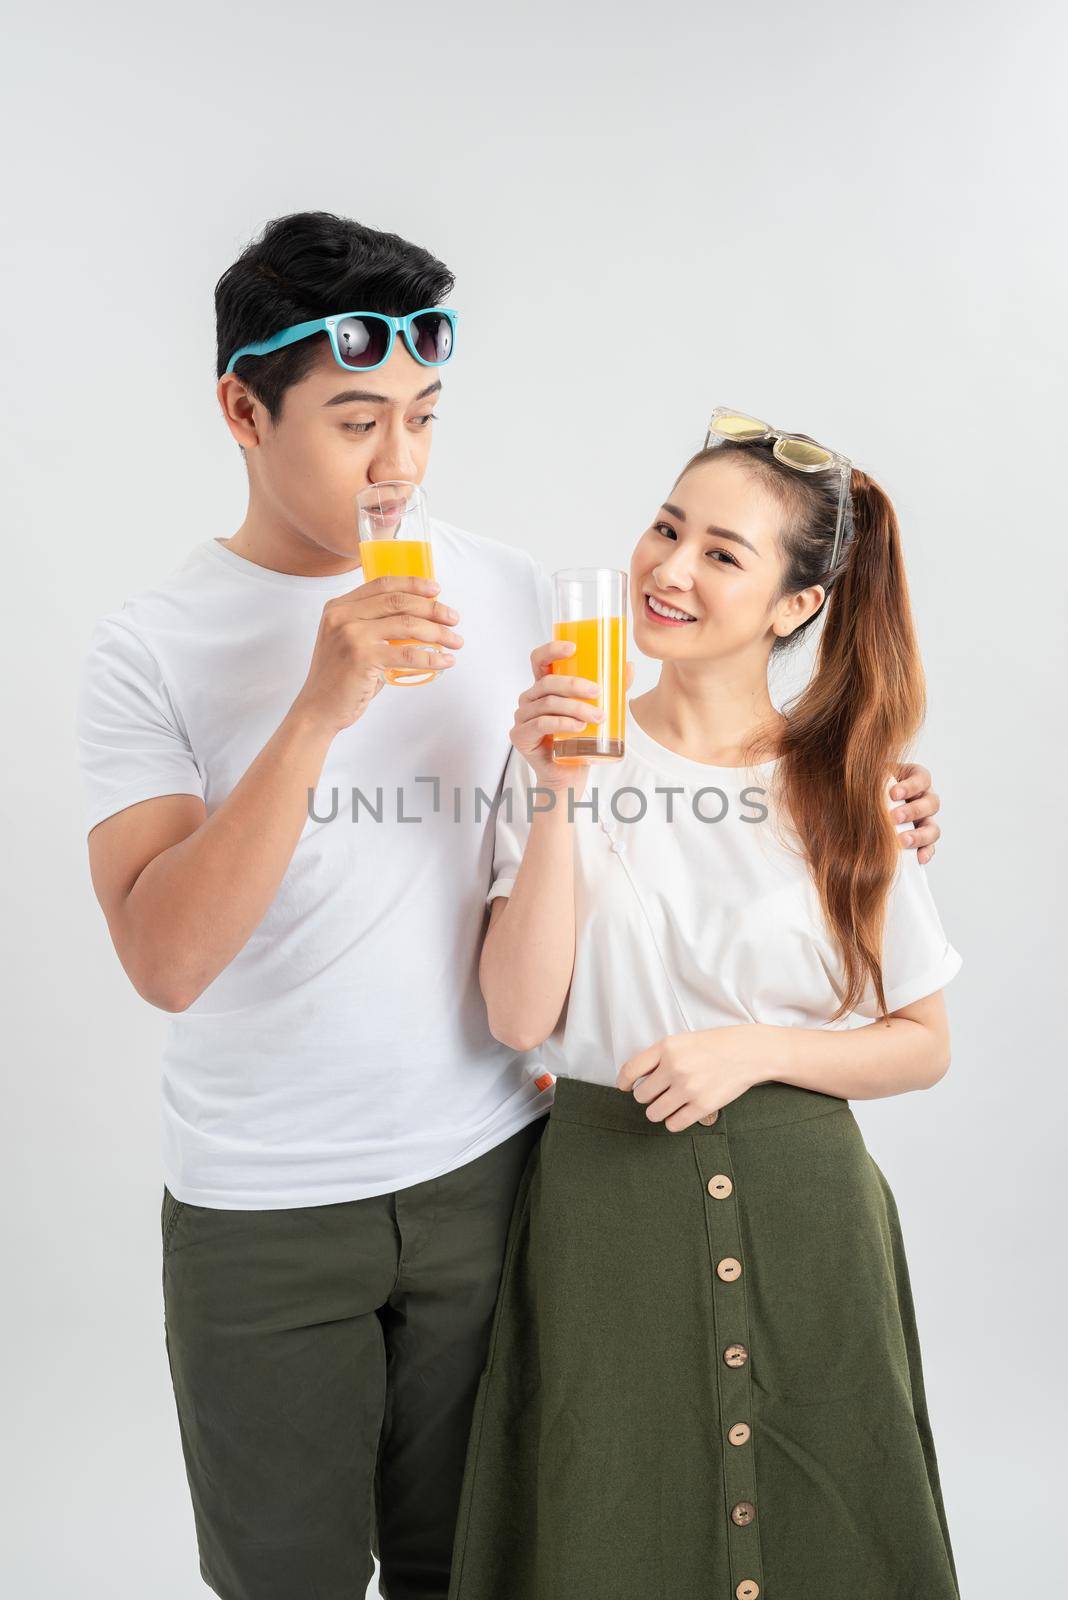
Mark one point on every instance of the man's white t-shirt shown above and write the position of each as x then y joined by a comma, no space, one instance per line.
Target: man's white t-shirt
705,920
345,1050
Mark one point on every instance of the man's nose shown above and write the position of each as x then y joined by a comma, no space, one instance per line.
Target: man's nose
393,458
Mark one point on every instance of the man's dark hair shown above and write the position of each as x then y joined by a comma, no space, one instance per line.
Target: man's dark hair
313,264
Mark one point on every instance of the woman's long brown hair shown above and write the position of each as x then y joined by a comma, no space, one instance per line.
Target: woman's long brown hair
860,710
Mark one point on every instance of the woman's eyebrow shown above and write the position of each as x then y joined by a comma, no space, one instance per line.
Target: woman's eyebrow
721,533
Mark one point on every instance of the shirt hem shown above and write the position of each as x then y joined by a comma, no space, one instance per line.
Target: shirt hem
339,1194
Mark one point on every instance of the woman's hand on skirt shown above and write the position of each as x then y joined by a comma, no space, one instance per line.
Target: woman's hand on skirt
688,1075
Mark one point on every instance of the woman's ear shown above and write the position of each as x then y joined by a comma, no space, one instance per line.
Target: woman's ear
794,609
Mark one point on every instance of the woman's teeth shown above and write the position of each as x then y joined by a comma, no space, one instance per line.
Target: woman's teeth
668,612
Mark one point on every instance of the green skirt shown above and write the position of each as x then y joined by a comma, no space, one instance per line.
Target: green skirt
703,1379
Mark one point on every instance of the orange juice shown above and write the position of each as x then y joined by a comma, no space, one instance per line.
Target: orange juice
600,655
399,558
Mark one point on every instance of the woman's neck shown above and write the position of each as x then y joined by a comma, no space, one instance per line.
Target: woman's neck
712,716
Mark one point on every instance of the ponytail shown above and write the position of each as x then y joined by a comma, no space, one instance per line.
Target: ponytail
862,706
861,709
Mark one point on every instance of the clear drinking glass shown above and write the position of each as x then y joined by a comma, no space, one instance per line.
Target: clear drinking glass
590,608
393,525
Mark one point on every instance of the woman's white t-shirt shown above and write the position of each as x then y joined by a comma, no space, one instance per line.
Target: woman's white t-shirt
700,911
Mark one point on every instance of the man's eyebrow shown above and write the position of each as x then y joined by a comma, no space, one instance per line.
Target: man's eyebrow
372,399
712,530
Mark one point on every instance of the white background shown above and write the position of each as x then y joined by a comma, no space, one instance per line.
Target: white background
847,219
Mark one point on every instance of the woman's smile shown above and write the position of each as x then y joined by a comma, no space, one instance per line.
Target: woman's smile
667,616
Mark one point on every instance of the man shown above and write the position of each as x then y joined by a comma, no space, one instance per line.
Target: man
342,1136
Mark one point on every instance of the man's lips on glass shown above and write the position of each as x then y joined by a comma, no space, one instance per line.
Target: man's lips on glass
666,614
388,514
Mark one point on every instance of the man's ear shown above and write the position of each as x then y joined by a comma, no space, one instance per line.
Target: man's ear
237,407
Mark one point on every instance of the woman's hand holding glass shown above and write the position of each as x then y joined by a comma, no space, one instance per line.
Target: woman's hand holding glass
554,704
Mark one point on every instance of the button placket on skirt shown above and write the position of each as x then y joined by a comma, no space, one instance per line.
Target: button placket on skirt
741,1513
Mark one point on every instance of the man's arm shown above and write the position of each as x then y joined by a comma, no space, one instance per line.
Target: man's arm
182,891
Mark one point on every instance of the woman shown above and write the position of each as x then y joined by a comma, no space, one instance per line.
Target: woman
703,1377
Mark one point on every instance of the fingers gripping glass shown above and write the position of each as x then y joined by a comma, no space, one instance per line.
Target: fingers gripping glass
795,450
363,340
393,527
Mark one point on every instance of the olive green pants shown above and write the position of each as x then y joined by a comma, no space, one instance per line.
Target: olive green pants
325,1361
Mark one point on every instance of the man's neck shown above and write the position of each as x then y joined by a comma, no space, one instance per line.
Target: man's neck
281,548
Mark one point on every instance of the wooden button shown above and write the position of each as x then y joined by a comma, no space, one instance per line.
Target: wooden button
720,1186
740,1433
736,1355
743,1513
748,1589
710,1119
729,1269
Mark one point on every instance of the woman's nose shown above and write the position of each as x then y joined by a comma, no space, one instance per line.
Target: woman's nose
674,571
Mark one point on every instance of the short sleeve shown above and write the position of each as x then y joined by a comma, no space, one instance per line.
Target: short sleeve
512,824
131,744
918,959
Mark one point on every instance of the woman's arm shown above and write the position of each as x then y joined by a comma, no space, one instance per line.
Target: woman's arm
910,1050
528,953
688,1075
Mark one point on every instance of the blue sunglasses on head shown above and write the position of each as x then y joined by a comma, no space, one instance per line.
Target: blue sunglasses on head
363,340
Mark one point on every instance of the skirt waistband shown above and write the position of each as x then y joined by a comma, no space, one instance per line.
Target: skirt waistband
762,1106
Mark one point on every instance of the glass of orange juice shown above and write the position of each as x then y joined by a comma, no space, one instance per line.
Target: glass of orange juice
590,608
393,525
